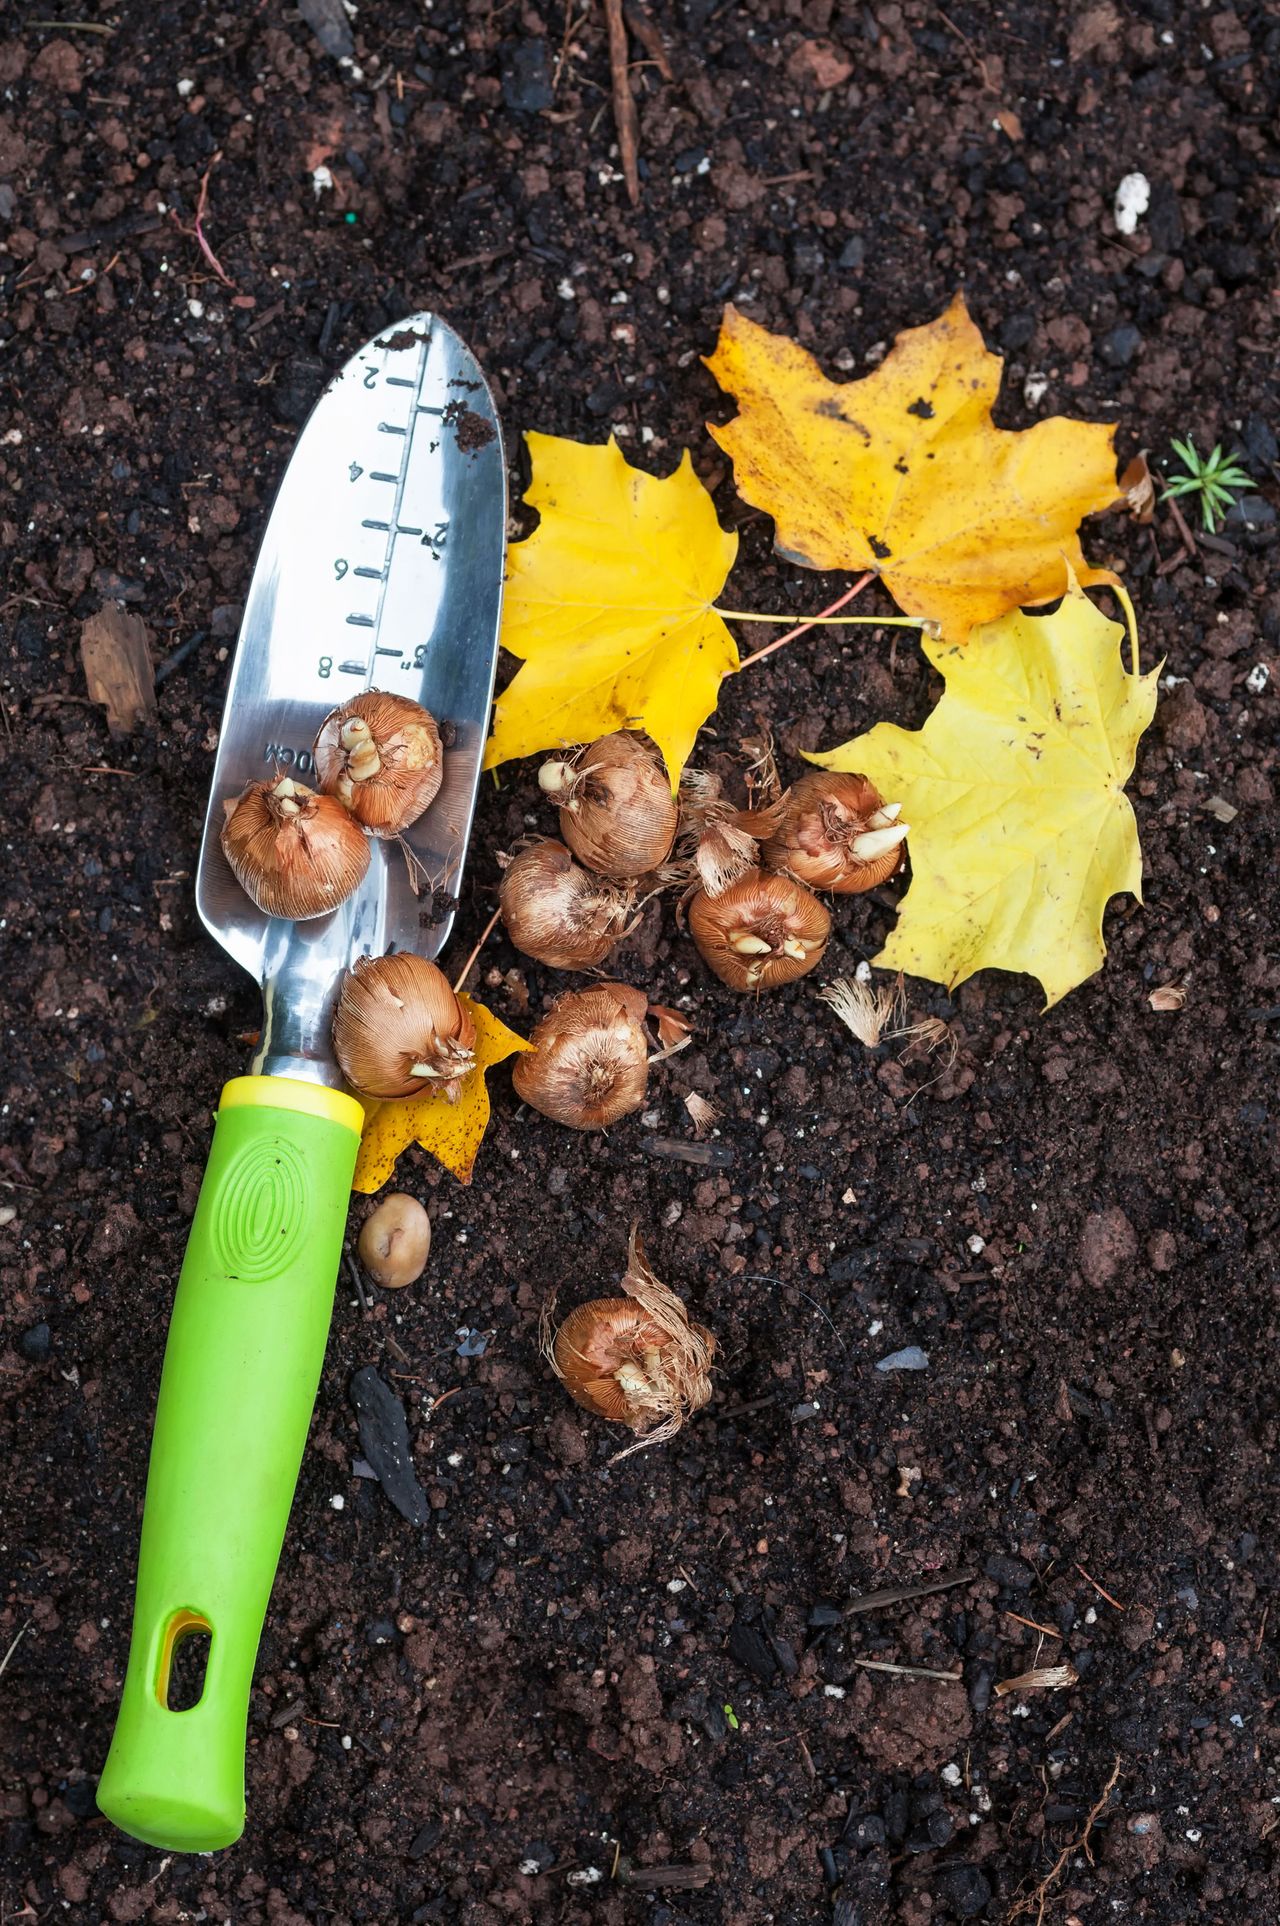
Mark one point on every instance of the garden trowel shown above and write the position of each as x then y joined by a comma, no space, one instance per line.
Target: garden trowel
381,568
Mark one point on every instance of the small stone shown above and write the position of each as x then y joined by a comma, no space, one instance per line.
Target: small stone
866,1832
1011,1573
752,1651
35,1344
424,1841
1259,441
964,1891
526,77
910,1358
1164,219
1108,1246
1133,198
1120,345
384,1440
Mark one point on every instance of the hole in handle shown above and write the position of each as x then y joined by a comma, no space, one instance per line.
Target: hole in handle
184,1661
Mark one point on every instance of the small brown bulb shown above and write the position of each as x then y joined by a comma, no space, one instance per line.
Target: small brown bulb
395,1240
837,834
295,854
559,914
590,1059
617,812
380,755
399,1029
763,930
636,1359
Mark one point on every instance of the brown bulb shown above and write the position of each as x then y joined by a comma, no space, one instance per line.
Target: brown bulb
294,853
399,1029
395,1240
590,1059
617,812
559,914
636,1359
380,755
837,834
763,930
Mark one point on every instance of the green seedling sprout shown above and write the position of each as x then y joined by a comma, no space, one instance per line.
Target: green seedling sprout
1215,478
732,1717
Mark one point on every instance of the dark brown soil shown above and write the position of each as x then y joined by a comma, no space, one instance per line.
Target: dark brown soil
1075,1223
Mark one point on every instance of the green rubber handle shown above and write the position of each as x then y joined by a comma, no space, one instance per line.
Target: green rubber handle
246,1345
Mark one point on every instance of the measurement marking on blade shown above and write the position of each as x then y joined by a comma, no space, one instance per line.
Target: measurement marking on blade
423,409
399,381
372,574
402,530
389,428
394,652
375,476
353,668
360,621
383,528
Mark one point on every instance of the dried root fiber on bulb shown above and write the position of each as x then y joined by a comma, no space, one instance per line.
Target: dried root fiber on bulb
635,1360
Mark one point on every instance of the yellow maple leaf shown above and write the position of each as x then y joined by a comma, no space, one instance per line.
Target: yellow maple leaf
905,473
452,1132
1014,790
608,605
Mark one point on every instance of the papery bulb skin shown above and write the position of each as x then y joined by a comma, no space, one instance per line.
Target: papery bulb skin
764,930
381,756
589,1065
400,1029
837,833
295,854
617,812
557,912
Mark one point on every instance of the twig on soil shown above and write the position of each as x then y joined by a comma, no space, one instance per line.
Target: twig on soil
1039,1899
74,26
624,106
909,1671
812,621
18,1637
647,33
1035,1625
970,49
481,940
1189,541
651,1879
902,1594
1102,1593
197,229
357,1280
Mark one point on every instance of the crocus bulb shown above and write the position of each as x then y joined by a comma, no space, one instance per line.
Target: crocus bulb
559,914
763,930
296,854
590,1059
617,813
837,834
380,755
399,1028
635,1359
